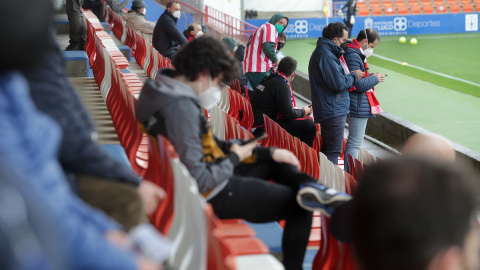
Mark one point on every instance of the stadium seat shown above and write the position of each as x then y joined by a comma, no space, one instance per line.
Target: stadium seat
441,8
438,2
427,8
464,1
402,10
363,11
468,7
390,10
415,9
377,10
455,8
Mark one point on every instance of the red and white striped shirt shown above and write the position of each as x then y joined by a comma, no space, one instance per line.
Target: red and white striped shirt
255,59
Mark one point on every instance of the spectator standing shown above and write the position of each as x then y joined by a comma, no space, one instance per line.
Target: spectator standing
193,31
363,103
118,6
97,7
260,55
330,81
167,39
274,98
77,24
135,18
397,219
349,20
234,190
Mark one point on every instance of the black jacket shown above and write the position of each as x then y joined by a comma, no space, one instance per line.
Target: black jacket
273,96
166,36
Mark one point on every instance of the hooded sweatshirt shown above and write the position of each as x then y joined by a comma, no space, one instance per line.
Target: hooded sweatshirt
171,108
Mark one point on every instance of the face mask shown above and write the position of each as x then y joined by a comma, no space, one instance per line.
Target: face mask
235,48
344,46
144,11
199,34
279,27
368,52
210,97
176,14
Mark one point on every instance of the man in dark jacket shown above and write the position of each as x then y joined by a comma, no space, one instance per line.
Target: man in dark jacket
360,95
234,190
166,38
329,84
274,98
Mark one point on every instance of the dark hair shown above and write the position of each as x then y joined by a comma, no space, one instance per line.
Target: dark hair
334,30
169,4
282,36
408,210
287,65
372,35
205,54
190,28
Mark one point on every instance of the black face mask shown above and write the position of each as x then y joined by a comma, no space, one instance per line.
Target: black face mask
280,46
344,46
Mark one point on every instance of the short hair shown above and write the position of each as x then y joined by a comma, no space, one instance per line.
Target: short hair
408,210
287,65
169,4
333,30
205,54
190,28
372,35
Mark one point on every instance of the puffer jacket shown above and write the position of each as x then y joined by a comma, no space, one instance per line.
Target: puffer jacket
359,105
138,22
328,82
166,36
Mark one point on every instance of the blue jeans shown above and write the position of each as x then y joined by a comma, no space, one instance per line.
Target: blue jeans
356,132
332,131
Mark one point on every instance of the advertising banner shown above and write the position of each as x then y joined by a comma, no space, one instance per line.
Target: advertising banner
387,25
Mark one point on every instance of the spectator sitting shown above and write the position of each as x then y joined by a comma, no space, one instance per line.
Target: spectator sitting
429,145
167,39
29,148
411,213
117,6
274,98
193,31
282,39
235,190
135,18
238,52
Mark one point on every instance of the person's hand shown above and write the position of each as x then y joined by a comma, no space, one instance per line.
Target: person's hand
151,195
380,77
285,156
117,237
278,62
243,151
360,74
146,264
308,110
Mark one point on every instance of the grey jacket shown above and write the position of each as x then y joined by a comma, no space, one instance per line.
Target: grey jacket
138,22
171,108
116,6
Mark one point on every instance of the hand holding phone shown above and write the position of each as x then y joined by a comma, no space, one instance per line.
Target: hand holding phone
259,138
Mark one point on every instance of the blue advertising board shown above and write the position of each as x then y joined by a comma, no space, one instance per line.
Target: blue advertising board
387,25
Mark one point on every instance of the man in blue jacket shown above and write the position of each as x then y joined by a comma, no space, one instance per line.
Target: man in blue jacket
166,38
356,55
329,84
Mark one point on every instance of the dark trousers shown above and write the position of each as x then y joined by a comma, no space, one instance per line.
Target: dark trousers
76,20
250,196
119,201
332,131
304,129
97,7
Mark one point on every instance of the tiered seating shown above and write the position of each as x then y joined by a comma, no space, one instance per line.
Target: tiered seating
404,7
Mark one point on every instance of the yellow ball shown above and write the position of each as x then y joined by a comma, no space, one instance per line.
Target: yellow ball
404,63
413,41
402,40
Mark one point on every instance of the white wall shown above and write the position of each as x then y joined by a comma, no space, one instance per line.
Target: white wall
230,7
284,5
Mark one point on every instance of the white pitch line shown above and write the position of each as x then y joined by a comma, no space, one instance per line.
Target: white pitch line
429,71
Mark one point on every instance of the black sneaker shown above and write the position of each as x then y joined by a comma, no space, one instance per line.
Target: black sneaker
75,47
316,197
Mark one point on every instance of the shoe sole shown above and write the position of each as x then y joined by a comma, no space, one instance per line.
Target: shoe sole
310,192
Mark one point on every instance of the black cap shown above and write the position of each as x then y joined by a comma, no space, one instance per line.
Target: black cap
138,4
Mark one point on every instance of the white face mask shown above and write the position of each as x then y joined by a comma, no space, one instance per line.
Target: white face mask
209,97
199,34
144,11
368,52
176,14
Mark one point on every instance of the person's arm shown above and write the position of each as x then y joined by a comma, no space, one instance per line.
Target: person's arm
335,78
284,102
172,31
117,6
145,26
269,50
354,62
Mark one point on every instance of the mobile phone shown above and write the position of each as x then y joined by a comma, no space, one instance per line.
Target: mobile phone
385,75
259,138
367,69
